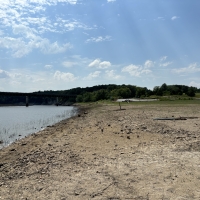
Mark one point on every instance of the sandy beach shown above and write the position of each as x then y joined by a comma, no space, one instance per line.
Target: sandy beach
108,153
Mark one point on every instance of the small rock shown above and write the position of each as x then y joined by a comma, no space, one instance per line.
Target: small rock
40,189
13,150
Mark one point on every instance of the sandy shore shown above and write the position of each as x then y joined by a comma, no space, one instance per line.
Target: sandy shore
107,153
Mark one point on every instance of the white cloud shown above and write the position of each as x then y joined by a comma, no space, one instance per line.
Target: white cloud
192,68
70,25
53,48
165,64
24,80
162,62
195,84
75,61
104,65
110,74
148,64
68,64
1,32
4,74
163,58
27,30
48,66
92,75
20,48
24,31
62,76
111,1
38,80
99,39
98,64
174,18
95,63
24,3
160,18
138,70
133,70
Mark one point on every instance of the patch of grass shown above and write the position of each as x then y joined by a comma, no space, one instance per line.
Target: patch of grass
162,100
197,95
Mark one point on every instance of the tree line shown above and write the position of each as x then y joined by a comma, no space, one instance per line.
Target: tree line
103,92
165,90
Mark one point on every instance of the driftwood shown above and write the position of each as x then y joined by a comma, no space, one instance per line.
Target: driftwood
175,118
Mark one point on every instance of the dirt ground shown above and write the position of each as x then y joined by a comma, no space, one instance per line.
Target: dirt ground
107,153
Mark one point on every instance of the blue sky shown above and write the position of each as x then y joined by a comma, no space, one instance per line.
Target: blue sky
63,44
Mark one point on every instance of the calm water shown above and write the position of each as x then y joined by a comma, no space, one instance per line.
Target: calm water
19,121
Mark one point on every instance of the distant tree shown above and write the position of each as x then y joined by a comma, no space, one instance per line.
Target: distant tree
132,89
157,91
123,92
141,92
163,87
174,90
79,98
191,91
101,95
87,97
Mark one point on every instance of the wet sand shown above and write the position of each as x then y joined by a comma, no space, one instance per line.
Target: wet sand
107,153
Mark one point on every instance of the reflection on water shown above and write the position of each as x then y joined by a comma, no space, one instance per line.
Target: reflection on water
18,121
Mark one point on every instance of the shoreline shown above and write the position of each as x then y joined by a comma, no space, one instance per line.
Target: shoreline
107,153
4,144
79,110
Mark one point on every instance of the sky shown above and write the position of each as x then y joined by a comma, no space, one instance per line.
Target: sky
64,44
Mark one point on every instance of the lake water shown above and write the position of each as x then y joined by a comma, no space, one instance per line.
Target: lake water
17,122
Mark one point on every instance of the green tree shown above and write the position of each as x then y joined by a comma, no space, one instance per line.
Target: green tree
157,91
191,91
163,88
101,95
87,97
79,98
140,91
123,92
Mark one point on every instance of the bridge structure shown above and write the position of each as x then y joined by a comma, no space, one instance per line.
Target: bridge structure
27,95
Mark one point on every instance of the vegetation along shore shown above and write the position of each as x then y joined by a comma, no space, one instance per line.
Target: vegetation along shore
104,92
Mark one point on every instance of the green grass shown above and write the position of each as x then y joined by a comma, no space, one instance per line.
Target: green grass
138,103
197,95
163,100
175,102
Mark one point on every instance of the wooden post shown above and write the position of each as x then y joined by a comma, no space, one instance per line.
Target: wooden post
27,101
120,105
